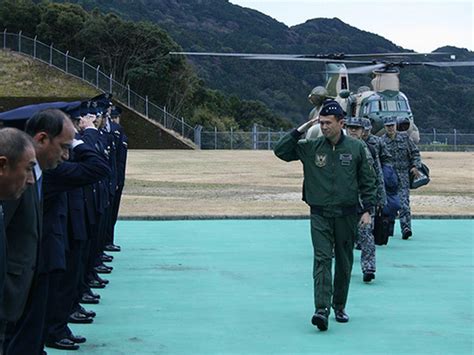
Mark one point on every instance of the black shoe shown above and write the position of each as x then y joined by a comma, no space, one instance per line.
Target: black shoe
406,234
95,284
112,247
106,258
87,299
92,294
79,318
368,276
101,280
102,269
63,344
320,319
79,339
107,255
87,313
341,316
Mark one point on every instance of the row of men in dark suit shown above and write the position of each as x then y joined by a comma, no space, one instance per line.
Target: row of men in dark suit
57,230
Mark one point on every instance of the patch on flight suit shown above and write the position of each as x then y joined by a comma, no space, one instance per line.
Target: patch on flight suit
345,159
320,160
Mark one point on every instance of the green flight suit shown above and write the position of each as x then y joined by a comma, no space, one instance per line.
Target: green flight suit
334,177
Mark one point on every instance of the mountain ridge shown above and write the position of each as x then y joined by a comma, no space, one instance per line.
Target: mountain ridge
217,25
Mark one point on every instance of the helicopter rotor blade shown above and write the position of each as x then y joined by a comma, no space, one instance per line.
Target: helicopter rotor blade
364,69
400,54
335,58
262,56
449,64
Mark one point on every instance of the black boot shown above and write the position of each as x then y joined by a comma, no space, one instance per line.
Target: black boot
320,319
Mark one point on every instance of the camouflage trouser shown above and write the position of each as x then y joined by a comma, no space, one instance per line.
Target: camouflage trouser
366,244
404,194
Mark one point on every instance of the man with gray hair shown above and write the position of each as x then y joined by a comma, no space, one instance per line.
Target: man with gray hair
17,159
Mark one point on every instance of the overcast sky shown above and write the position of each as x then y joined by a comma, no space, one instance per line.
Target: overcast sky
420,25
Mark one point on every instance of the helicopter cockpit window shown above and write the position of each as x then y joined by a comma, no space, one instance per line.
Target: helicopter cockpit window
374,106
394,105
385,105
402,105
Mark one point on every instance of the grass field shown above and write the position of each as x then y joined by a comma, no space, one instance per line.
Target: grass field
204,183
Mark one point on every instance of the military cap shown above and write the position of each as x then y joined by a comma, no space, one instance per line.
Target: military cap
354,122
390,120
331,107
367,124
75,114
116,111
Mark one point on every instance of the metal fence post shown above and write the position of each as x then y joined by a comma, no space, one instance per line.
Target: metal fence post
434,135
97,77
5,38
146,106
67,66
215,137
128,95
19,41
455,140
83,67
254,136
231,138
269,142
51,54
197,136
34,46
110,83
165,118
182,126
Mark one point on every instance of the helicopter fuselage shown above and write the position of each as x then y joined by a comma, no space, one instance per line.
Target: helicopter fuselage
384,99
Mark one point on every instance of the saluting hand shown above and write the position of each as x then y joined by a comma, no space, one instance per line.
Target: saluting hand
365,219
305,126
86,121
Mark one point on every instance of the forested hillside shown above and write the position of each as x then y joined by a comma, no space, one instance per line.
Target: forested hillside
440,98
135,53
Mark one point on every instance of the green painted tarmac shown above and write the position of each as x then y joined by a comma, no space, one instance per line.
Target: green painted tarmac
245,287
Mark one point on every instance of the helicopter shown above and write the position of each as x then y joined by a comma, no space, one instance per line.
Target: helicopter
383,99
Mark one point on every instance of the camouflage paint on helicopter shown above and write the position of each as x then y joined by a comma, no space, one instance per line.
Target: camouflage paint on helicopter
384,99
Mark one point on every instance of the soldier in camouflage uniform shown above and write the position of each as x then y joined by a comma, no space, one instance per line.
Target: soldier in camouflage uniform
365,242
406,161
376,142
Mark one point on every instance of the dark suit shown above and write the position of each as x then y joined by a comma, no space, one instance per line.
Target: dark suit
3,272
27,336
23,233
23,225
63,290
3,252
122,149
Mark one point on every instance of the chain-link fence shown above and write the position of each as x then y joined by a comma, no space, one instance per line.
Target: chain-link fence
94,76
259,138
264,138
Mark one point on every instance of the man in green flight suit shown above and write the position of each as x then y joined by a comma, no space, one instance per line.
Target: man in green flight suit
336,172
